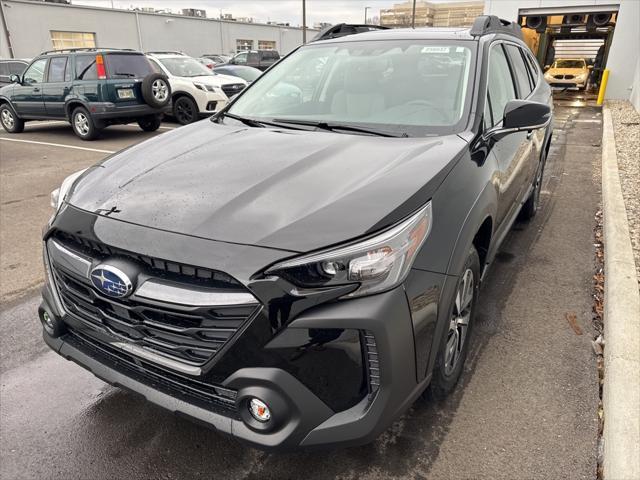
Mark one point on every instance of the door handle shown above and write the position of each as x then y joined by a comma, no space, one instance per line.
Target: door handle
529,134
36,89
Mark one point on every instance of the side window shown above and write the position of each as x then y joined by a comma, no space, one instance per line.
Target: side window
520,71
253,58
16,68
533,68
35,73
86,67
240,59
57,69
500,83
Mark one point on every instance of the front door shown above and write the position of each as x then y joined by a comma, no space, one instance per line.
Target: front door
57,86
512,151
27,96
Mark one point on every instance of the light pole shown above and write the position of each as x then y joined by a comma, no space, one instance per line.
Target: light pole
365,14
413,15
304,21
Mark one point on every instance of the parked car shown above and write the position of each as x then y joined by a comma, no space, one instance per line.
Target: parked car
248,74
260,59
13,66
217,58
197,91
206,62
297,272
91,88
568,73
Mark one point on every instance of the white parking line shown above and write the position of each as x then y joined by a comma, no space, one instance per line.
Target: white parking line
62,122
57,145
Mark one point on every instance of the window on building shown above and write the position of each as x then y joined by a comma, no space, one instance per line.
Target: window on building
73,39
266,45
57,68
244,45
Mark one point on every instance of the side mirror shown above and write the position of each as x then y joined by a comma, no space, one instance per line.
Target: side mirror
547,67
521,115
590,67
13,78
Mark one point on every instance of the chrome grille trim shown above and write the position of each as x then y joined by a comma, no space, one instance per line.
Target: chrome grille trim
68,259
158,291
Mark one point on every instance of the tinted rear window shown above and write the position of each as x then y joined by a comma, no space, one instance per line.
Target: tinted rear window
86,67
124,65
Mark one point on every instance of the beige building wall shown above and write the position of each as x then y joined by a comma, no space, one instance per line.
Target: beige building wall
454,14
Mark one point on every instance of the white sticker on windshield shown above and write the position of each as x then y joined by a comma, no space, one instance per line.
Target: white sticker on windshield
435,50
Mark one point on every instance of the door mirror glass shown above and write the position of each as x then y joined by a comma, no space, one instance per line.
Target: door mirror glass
526,115
13,78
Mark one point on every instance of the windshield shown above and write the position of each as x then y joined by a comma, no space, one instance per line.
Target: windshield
406,86
569,64
185,67
127,65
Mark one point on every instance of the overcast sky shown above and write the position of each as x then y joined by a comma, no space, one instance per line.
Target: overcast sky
332,11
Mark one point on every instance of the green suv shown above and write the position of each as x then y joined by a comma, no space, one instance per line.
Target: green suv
92,88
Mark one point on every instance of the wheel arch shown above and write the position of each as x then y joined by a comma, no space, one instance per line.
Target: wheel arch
72,105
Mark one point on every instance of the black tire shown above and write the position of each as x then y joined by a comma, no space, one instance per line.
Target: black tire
150,124
185,110
530,206
10,121
449,363
83,124
156,90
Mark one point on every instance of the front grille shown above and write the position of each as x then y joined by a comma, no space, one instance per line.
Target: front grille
230,89
559,77
211,397
569,77
188,334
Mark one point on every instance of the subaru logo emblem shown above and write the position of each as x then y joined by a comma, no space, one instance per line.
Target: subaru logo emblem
111,281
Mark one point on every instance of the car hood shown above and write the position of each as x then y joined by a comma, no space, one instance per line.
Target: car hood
217,80
567,71
288,189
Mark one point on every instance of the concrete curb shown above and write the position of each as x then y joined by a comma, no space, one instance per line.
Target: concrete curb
621,390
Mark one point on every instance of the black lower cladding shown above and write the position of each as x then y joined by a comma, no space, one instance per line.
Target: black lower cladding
212,397
329,362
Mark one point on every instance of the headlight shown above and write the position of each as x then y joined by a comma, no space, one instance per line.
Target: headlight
377,263
203,87
57,196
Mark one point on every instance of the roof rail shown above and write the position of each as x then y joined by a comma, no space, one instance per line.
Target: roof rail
165,52
344,29
85,49
486,24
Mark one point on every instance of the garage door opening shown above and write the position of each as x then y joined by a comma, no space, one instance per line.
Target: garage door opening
571,45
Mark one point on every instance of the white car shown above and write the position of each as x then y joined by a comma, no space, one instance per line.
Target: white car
196,91
568,73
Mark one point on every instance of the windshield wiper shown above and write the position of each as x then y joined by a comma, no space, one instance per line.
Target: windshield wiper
332,127
254,123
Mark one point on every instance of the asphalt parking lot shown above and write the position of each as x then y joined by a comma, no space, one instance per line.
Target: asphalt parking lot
526,407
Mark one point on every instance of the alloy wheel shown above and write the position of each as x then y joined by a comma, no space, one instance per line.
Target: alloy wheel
459,323
7,119
160,90
82,123
184,112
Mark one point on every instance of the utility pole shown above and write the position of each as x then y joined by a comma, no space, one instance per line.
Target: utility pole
365,14
413,15
304,21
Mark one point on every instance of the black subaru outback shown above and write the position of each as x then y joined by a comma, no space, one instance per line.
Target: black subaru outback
91,88
297,271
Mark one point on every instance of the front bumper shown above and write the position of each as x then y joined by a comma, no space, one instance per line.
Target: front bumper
209,102
304,420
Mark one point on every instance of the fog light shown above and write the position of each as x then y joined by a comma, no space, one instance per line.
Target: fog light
48,321
259,410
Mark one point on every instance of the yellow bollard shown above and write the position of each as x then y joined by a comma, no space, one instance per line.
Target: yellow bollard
603,86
